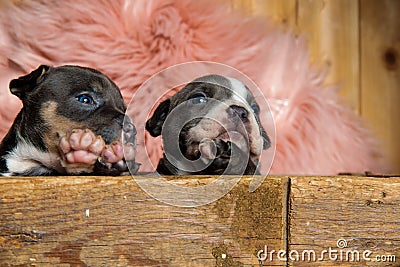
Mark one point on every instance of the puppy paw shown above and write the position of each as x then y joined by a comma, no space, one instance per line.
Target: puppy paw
226,156
113,161
113,153
207,149
84,152
222,148
79,150
81,146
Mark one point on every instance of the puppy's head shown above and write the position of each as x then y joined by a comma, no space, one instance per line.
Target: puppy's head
59,99
210,107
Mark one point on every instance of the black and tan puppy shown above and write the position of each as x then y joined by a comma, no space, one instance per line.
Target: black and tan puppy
72,122
211,126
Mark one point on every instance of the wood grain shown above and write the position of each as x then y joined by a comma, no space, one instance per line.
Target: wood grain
282,12
110,221
332,31
363,211
380,65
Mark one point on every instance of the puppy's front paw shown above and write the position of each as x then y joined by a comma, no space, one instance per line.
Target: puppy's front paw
217,148
226,156
113,160
216,153
113,153
80,150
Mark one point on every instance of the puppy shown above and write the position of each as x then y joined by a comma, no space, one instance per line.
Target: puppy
72,122
211,126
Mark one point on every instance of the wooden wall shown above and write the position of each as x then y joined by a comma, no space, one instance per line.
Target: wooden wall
360,41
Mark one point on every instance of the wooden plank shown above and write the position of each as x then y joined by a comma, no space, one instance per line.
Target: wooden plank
364,212
332,31
380,72
280,11
110,221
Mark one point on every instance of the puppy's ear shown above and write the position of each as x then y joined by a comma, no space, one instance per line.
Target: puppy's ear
25,84
155,123
267,141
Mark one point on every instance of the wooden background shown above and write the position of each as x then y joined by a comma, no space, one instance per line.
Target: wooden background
360,41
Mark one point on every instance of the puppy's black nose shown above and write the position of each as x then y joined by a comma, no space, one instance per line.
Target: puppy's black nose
237,111
129,131
129,127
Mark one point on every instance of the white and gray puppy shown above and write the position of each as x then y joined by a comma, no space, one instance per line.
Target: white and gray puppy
211,126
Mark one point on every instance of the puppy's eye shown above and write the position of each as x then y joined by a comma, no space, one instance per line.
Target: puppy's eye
199,99
256,109
85,99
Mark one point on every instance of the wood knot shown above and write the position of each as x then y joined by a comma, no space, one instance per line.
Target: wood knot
391,58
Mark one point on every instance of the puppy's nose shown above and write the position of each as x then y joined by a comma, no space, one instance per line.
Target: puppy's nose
129,131
129,127
235,111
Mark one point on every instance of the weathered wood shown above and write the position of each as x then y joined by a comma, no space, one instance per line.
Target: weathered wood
365,212
332,31
110,221
380,65
280,11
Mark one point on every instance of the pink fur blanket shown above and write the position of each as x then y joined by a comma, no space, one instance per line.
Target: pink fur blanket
132,40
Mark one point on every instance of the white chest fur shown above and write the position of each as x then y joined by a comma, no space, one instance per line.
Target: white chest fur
25,157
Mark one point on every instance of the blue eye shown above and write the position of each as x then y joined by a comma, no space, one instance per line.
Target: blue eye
85,99
199,99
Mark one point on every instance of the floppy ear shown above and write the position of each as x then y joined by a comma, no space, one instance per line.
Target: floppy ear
267,141
155,123
25,84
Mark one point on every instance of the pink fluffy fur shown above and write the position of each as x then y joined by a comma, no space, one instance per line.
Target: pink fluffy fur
132,40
